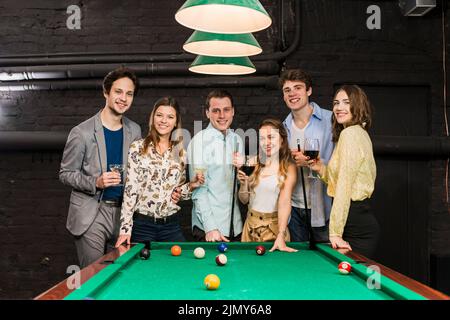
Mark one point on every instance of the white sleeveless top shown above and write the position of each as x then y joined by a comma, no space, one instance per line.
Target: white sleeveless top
264,197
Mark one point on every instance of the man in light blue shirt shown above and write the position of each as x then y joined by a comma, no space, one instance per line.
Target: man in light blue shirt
307,120
211,151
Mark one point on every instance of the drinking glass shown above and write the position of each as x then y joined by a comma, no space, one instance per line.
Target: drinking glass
119,169
249,166
311,151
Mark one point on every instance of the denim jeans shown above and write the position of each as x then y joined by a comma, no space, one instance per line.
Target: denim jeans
298,227
146,230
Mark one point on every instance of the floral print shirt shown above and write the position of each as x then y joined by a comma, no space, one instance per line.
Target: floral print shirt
151,179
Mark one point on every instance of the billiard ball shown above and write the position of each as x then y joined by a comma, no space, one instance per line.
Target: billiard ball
260,250
145,254
345,267
175,250
212,282
199,253
222,247
221,259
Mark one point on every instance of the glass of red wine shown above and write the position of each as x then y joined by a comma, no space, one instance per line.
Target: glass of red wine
248,166
311,151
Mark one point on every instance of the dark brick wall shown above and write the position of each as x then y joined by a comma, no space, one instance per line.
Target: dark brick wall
335,47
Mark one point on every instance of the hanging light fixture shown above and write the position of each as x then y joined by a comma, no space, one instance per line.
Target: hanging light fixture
224,16
222,45
222,65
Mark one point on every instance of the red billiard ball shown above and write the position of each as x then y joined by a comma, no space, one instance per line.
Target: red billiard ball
221,259
175,250
345,267
260,250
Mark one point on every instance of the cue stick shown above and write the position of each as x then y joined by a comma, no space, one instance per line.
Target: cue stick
234,191
312,242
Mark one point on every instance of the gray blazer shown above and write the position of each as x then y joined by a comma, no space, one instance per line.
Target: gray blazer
83,161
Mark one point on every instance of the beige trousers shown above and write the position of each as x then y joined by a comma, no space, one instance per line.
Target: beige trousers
261,227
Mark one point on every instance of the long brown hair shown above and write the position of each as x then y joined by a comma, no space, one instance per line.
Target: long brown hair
284,155
176,137
360,109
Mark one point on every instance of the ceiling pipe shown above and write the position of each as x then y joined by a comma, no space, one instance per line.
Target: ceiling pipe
269,82
419,147
281,55
99,70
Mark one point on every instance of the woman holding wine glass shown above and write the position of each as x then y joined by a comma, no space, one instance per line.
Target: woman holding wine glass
350,173
268,189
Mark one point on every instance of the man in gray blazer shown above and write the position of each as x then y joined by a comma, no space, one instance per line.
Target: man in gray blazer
91,148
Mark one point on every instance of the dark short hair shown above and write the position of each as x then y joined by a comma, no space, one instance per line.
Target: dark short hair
117,74
218,93
295,75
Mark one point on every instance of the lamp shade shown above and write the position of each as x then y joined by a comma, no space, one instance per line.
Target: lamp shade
224,16
222,45
222,65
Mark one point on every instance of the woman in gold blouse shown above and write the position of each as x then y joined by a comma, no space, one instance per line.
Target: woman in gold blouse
350,173
156,167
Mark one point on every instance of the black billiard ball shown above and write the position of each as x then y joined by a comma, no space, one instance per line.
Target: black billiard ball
145,254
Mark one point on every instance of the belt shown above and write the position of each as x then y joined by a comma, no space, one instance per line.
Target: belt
113,203
155,220
262,216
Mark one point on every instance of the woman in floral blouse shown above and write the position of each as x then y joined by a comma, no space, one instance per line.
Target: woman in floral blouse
156,166
350,173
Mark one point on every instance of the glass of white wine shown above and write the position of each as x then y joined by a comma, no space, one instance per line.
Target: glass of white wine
119,169
201,170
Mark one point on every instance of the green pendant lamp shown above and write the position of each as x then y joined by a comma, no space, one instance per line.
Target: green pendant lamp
222,45
222,65
224,16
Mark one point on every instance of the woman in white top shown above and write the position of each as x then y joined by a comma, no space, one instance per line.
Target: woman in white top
268,189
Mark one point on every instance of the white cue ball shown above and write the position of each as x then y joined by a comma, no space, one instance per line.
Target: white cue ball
199,253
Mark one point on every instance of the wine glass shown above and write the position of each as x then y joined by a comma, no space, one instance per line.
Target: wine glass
311,151
119,169
201,170
249,166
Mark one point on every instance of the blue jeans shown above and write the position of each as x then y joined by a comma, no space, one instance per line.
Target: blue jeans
298,227
146,230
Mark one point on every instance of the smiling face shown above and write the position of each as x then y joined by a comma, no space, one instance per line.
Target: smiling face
295,94
120,97
269,140
165,120
341,108
220,113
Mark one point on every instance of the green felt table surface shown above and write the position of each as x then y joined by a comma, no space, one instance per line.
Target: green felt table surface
306,274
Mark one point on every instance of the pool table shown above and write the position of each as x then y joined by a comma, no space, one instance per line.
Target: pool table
303,275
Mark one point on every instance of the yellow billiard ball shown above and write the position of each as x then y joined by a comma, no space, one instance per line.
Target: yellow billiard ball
212,282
